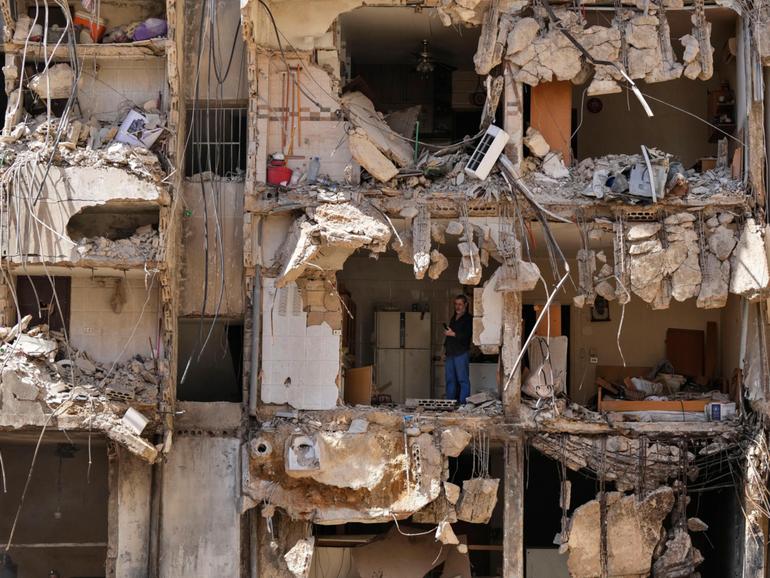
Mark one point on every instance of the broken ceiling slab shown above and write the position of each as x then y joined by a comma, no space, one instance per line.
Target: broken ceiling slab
350,477
326,237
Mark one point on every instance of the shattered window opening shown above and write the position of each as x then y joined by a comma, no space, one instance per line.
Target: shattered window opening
214,374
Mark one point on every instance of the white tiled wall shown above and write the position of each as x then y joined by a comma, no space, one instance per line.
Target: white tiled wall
104,334
300,364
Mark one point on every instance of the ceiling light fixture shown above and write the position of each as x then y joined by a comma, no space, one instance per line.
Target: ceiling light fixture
425,64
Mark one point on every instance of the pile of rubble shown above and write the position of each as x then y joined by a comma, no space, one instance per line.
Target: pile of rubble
43,377
80,142
621,177
60,372
140,247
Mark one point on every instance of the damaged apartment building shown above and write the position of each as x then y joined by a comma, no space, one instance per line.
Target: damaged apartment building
232,233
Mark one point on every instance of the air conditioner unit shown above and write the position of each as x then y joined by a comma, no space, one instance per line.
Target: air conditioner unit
485,156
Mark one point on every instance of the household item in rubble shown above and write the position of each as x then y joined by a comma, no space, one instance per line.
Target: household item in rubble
95,26
403,354
134,420
151,28
487,152
716,411
277,171
312,169
139,130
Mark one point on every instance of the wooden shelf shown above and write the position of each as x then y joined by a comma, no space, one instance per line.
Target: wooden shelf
134,51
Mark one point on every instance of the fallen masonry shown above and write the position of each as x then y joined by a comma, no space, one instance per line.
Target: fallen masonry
47,381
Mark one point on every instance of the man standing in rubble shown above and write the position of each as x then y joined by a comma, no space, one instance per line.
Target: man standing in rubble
457,345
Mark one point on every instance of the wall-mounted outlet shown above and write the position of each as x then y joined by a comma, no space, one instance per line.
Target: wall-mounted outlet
593,358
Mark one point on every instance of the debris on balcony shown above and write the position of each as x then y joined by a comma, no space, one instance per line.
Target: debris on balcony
614,177
83,142
43,373
140,247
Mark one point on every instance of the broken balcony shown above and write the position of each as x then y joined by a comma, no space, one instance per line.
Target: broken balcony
84,355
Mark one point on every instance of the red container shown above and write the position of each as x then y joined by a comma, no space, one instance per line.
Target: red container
278,172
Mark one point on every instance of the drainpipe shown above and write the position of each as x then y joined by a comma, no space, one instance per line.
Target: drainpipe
256,301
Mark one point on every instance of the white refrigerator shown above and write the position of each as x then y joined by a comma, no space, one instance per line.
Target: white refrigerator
402,354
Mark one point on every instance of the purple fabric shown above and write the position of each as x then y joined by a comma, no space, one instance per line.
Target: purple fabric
151,28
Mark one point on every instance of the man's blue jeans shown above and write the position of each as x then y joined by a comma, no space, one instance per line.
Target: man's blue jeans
457,369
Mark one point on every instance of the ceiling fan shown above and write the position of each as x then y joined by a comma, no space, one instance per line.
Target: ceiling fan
426,62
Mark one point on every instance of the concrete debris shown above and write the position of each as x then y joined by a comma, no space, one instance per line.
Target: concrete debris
373,144
453,441
452,492
664,261
44,369
633,528
141,246
370,157
624,177
54,82
538,52
680,557
438,264
341,467
535,142
299,558
586,275
698,52
421,239
696,525
478,499
553,166
445,534
438,232
454,228
328,236
642,231
750,273
519,276
358,425
469,272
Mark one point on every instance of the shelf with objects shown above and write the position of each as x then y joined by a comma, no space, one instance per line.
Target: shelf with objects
90,29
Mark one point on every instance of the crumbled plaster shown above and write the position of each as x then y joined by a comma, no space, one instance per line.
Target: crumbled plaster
358,478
